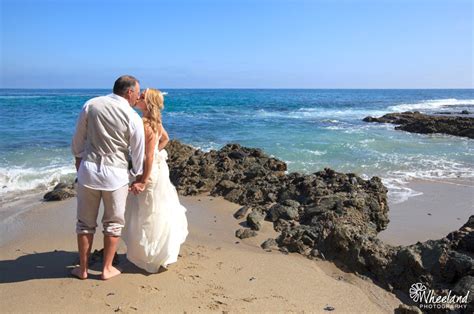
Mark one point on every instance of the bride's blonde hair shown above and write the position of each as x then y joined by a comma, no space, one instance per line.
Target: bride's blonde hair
154,104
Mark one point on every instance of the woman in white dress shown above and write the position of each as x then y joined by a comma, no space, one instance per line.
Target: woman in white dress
155,221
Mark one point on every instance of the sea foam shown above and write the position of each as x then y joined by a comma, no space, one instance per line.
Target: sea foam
433,104
17,179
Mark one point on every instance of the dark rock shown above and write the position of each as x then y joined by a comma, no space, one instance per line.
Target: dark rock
239,214
291,203
407,309
60,192
237,155
457,265
278,211
234,195
254,220
245,233
467,242
464,285
269,244
281,225
416,122
271,197
227,185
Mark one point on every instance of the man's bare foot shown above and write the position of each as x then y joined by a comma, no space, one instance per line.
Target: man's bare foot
78,273
110,273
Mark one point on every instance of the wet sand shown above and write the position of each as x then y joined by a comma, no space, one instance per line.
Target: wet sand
443,207
215,272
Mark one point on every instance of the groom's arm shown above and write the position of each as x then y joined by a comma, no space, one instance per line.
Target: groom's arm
79,138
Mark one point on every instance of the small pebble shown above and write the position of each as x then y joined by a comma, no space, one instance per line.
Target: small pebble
252,278
329,308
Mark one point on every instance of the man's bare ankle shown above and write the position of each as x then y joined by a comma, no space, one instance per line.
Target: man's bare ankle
80,273
110,272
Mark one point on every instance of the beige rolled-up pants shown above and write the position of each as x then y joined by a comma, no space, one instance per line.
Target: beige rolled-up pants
88,202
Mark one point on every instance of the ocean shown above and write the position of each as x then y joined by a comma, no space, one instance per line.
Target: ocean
308,129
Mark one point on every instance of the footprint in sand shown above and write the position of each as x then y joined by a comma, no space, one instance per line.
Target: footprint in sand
191,266
279,297
216,304
249,299
213,306
88,294
199,255
195,277
237,269
149,289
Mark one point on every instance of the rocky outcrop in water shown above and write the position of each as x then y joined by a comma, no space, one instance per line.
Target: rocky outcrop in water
60,192
325,214
463,112
417,122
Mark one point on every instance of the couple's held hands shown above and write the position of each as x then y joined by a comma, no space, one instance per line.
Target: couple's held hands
137,187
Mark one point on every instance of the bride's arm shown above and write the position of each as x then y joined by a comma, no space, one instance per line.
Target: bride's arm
150,142
164,138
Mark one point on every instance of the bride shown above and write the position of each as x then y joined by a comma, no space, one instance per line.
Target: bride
155,221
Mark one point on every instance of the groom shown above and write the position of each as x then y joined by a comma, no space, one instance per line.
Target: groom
108,134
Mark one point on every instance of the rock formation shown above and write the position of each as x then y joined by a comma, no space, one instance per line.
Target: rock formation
417,122
325,214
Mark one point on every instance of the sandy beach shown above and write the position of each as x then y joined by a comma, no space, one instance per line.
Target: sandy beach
216,271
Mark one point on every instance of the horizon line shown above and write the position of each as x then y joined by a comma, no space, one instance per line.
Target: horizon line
252,88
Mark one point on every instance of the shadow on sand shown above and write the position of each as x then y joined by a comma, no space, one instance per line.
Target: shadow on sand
47,265
58,264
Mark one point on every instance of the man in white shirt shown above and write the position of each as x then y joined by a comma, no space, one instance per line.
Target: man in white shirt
109,134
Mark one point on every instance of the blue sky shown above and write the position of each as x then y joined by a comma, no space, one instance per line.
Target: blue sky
238,44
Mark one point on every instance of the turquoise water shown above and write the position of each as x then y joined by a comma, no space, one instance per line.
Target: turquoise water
309,129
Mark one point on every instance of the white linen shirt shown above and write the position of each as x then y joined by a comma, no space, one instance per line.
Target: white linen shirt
98,176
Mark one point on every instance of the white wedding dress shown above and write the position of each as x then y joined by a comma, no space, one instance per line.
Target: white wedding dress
155,221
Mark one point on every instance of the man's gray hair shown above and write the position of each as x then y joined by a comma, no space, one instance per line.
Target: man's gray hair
124,83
